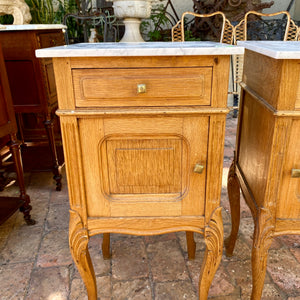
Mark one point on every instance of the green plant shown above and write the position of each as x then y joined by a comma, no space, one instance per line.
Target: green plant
41,11
158,26
188,36
6,19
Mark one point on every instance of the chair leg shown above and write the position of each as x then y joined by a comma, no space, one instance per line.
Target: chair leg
16,155
55,167
191,245
106,246
233,188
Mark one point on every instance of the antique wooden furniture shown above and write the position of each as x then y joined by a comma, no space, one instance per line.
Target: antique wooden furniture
267,160
8,130
241,34
143,134
32,83
226,34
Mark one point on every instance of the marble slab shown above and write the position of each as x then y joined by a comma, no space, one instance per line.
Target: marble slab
31,27
140,49
274,49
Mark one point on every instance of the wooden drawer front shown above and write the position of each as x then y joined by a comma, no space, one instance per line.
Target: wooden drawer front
51,39
144,166
164,86
289,201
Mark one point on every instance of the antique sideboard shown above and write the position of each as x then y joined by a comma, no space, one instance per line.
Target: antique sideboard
8,130
32,84
267,159
143,130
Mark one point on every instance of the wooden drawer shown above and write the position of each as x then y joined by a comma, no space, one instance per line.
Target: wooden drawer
51,39
164,86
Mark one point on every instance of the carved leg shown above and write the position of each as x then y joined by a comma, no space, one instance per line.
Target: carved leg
262,240
213,253
56,168
106,246
233,189
191,245
78,239
16,155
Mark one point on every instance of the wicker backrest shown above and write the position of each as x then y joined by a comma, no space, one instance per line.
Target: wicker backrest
226,32
240,30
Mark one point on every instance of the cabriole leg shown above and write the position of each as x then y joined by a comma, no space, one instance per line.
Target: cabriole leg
233,189
78,240
214,244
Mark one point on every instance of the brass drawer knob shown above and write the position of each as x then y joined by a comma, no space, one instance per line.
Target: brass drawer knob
141,88
199,168
296,173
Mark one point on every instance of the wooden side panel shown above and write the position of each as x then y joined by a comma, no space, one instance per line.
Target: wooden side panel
64,83
260,73
7,117
256,136
288,205
143,166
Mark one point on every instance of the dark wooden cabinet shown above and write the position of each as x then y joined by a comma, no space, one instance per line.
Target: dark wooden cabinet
32,85
8,130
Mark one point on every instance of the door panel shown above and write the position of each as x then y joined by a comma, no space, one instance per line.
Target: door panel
289,201
132,172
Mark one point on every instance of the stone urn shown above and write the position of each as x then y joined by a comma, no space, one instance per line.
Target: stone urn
132,11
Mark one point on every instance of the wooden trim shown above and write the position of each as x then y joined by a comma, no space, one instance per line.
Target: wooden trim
145,225
285,226
157,111
262,101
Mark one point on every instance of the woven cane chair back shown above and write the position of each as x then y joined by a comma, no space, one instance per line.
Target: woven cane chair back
226,31
240,30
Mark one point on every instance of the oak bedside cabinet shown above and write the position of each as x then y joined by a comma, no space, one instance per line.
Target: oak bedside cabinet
143,133
267,158
32,84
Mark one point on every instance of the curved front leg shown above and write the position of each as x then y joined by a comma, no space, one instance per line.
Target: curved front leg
214,244
78,239
233,188
262,240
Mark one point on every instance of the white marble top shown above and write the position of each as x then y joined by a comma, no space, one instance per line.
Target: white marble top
31,27
274,49
140,49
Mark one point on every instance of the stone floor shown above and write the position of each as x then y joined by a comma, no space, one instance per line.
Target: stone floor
35,262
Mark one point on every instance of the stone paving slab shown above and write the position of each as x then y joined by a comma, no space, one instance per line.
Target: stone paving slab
35,262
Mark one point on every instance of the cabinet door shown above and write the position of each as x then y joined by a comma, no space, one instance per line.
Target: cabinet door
289,200
144,166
